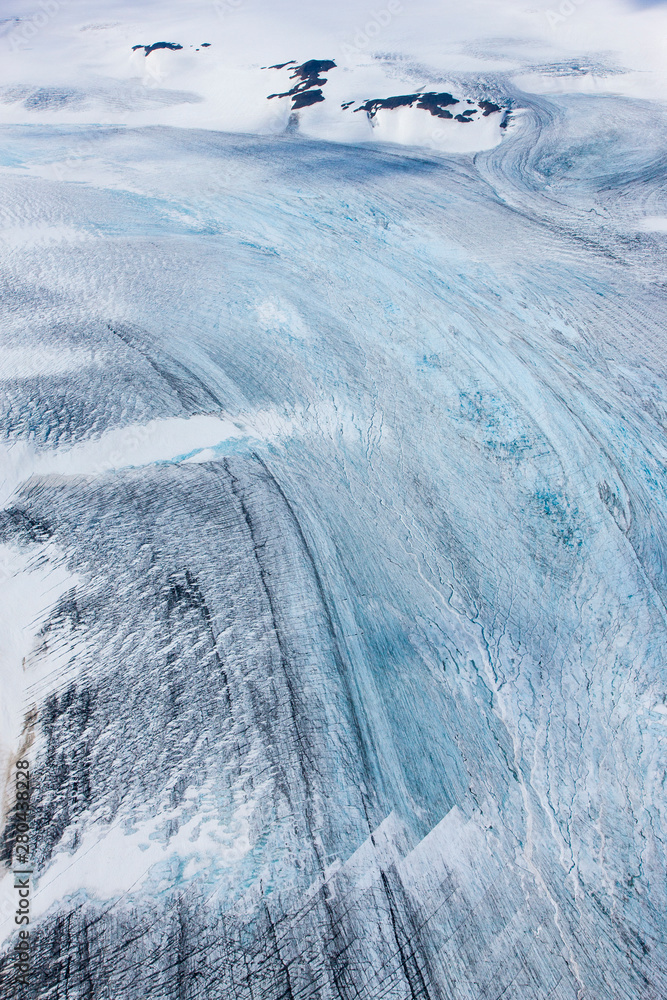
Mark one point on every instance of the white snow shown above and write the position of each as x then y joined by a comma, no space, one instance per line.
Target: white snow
654,224
194,438
68,62
112,861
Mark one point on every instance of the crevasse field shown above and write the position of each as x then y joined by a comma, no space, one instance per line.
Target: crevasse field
334,533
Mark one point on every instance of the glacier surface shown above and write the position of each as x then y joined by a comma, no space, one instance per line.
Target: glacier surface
334,562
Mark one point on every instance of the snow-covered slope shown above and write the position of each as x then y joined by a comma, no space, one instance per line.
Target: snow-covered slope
333,540
207,64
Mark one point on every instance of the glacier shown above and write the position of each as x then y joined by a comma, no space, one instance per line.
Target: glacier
334,558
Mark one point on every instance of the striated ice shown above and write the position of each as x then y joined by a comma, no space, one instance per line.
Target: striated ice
333,557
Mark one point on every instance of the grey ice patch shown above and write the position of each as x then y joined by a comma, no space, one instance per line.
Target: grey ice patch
578,68
41,98
52,99
118,97
139,98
